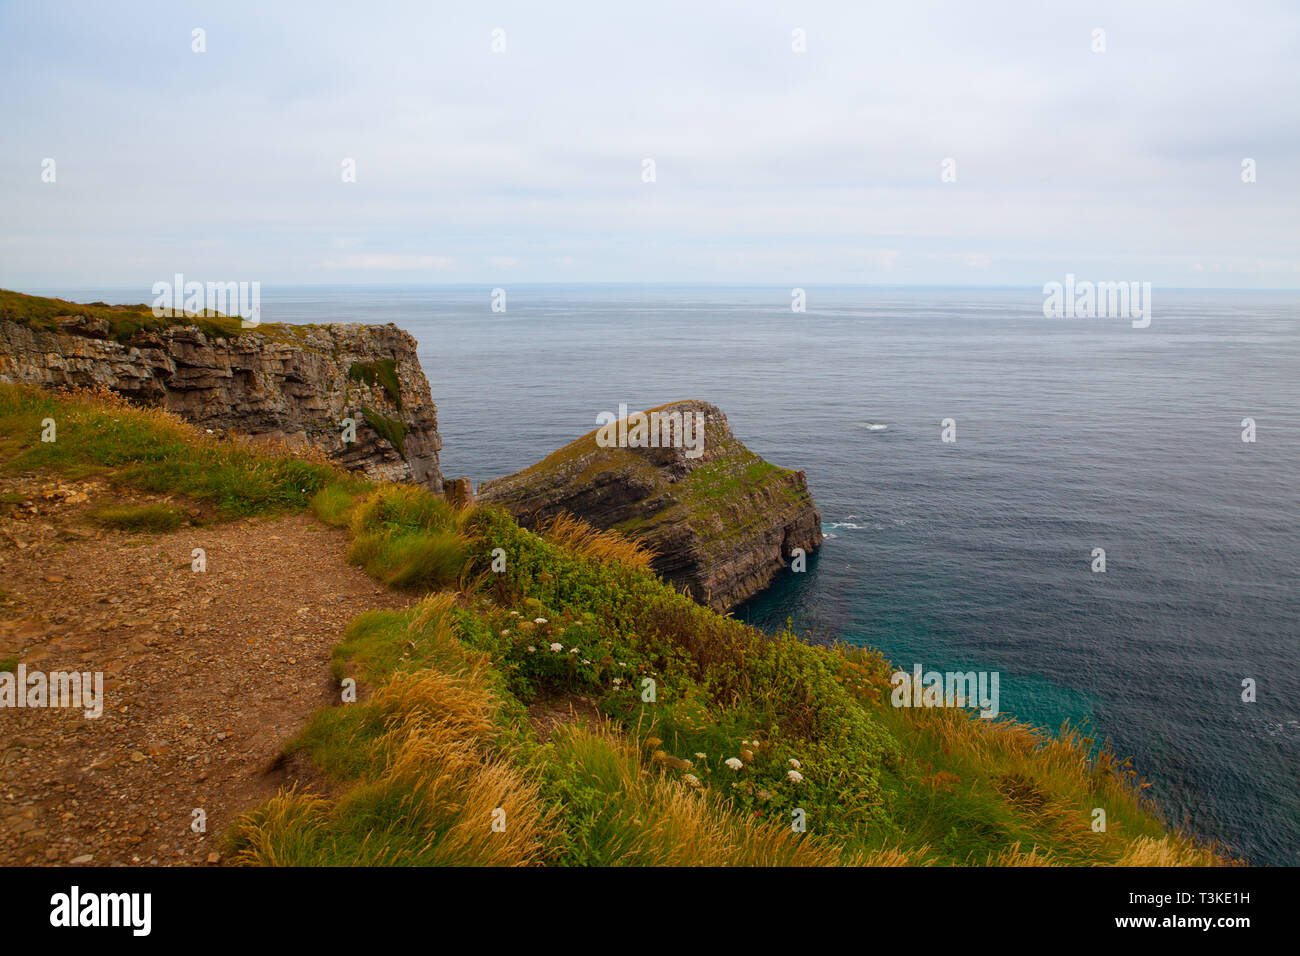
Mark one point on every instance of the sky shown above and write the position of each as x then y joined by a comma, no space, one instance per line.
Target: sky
528,163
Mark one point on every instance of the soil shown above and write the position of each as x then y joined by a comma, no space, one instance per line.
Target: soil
207,674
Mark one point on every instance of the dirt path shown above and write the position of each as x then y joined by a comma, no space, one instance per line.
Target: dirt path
206,675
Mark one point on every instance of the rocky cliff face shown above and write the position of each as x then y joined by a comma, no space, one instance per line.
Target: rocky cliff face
297,383
722,523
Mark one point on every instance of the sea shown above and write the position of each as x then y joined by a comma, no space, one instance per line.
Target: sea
978,553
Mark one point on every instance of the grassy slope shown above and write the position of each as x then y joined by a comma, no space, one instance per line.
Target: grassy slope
439,745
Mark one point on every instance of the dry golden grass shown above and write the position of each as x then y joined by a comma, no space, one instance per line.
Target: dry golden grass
1170,850
582,539
281,830
1015,856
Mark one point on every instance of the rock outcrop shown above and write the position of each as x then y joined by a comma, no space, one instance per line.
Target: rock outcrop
722,523
296,383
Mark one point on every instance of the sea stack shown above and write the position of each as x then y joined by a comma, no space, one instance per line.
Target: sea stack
721,521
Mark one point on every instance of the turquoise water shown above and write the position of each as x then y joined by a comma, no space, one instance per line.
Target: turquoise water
976,555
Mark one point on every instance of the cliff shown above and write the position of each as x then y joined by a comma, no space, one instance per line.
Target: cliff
296,383
721,521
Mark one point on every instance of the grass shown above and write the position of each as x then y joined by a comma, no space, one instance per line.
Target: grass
154,451
156,517
426,779
578,537
333,504
391,430
123,322
408,538
439,748
380,372
651,785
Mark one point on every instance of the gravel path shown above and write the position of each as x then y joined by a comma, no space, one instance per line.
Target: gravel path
206,675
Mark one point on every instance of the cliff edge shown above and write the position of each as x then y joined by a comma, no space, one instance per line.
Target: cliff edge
296,383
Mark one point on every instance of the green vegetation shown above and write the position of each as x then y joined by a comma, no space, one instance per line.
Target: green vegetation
333,504
402,535
151,450
382,372
393,431
156,517
121,322
9,664
743,733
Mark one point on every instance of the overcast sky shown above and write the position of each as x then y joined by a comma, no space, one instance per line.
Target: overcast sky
527,165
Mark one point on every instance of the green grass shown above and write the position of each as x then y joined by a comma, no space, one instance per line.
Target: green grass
333,503
123,322
156,517
408,538
382,372
393,431
410,559
153,451
9,664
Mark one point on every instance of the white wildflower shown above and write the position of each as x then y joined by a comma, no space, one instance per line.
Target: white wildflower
557,647
794,763
795,776
539,620
733,763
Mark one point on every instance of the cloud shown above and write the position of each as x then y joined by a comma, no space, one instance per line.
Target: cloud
823,164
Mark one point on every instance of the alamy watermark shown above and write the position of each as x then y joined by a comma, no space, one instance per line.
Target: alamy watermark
950,689
75,908
654,429
1098,300
22,688
179,298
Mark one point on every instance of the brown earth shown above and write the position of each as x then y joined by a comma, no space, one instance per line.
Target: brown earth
206,675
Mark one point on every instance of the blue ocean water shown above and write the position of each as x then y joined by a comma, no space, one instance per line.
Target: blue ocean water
1072,434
